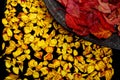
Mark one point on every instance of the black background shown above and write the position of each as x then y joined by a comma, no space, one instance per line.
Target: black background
3,73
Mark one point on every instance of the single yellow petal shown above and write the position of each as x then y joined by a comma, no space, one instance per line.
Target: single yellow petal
35,75
16,70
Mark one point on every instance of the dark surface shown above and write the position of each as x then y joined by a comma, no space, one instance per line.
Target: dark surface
116,64
58,12
3,73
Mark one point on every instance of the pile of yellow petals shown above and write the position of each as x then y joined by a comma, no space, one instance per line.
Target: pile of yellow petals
33,38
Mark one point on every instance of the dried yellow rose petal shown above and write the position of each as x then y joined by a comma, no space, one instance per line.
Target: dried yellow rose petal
75,52
24,17
49,49
108,74
16,70
11,47
63,73
23,46
8,63
28,56
14,19
25,10
53,42
48,56
14,3
56,63
18,37
44,70
70,58
4,21
17,52
90,68
11,77
69,39
29,72
77,44
35,75
32,16
41,44
38,55
5,37
25,79
32,63
70,76
3,46
16,31
100,65
27,29
80,59
33,9
21,24
45,62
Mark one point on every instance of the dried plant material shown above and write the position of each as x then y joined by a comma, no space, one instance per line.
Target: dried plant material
32,63
11,47
18,52
21,24
63,73
20,64
35,75
29,72
49,49
56,63
67,67
90,68
23,17
45,63
42,44
65,56
80,59
32,16
28,56
44,70
27,29
77,76
69,39
4,21
108,74
5,37
23,46
16,70
75,52
53,42
70,58
14,3
70,76
3,46
33,38
38,55
77,44
60,57
21,58
48,56
11,77
25,79
78,18
8,63
100,65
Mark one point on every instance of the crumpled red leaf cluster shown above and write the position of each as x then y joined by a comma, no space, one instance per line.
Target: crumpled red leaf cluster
96,17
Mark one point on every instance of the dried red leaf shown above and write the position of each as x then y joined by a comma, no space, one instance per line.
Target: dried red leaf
91,16
79,29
